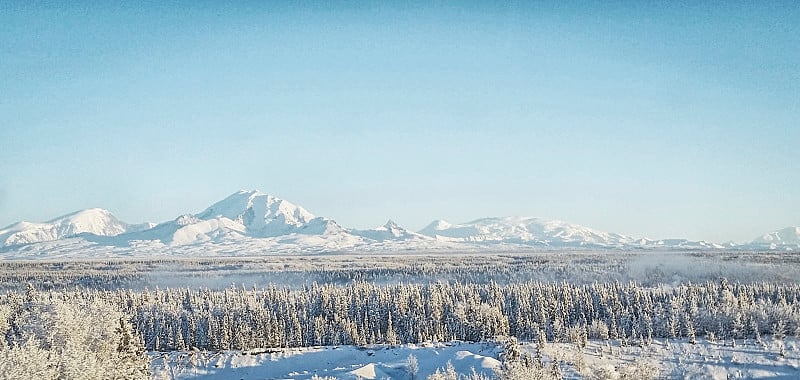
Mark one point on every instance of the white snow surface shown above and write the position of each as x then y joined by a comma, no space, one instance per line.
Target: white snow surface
390,231
187,229
676,359
786,236
526,230
342,362
95,221
256,223
261,214
679,359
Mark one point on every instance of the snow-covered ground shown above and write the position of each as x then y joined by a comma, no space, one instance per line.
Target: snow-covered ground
343,362
682,360
599,360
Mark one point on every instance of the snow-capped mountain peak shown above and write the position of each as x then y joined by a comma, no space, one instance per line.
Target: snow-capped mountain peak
789,236
96,221
526,230
393,228
389,231
439,225
250,222
262,214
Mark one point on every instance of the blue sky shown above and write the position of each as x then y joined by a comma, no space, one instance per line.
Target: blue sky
659,120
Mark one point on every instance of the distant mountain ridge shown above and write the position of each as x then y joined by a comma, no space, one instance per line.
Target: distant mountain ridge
786,237
390,231
525,230
253,222
94,221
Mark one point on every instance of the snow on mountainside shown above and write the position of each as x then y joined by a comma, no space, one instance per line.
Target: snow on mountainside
682,243
242,215
95,221
252,222
261,214
788,235
787,238
525,230
441,228
188,229
321,226
389,231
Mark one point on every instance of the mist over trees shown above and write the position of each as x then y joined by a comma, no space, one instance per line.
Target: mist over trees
582,268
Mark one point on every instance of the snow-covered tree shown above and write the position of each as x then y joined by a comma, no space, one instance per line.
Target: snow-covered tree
412,366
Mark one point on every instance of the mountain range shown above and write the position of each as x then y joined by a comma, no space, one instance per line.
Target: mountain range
252,223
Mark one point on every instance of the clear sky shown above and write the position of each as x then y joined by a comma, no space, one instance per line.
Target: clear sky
663,120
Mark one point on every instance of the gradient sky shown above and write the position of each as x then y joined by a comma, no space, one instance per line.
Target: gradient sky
661,120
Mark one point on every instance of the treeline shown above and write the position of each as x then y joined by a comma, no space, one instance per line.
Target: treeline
364,313
297,271
581,268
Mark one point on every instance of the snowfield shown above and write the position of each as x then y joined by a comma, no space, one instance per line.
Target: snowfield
598,360
681,359
343,362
